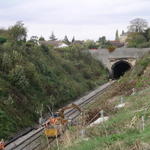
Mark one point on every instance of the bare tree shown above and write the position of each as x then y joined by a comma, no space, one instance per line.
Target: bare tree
138,25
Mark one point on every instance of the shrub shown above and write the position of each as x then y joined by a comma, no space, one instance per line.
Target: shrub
18,78
144,45
45,48
111,48
6,62
2,40
32,75
16,57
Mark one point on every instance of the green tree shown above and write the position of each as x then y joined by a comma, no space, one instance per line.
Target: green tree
65,40
135,39
41,38
34,39
73,39
3,36
52,37
117,36
147,34
103,43
2,40
138,25
122,32
102,40
17,32
6,64
18,77
90,44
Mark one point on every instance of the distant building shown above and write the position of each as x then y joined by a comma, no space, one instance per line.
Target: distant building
78,42
123,37
62,45
55,44
117,43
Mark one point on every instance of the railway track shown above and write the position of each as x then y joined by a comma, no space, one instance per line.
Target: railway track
34,140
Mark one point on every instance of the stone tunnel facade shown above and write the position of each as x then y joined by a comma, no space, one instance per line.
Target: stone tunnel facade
119,66
119,61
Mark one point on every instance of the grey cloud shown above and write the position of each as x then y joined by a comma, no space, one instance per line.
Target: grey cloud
60,14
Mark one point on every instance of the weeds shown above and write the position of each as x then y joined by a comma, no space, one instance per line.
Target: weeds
128,128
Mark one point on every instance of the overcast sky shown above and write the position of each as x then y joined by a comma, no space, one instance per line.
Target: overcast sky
84,19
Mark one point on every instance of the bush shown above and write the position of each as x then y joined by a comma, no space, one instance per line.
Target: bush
111,49
6,62
136,39
41,75
18,78
144,45
2,40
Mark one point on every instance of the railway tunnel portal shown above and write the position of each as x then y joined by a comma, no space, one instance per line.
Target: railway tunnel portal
119,68
119,61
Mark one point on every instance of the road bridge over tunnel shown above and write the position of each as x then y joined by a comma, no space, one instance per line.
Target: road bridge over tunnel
120,60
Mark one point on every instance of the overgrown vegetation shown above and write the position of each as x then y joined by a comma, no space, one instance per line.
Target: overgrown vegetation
32,76
125,130
138,34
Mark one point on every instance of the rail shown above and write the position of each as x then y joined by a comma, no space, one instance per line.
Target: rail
34,139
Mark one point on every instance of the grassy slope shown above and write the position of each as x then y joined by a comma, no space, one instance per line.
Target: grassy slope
34,75
124,128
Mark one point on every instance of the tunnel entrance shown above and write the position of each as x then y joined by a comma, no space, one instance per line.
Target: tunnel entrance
119,69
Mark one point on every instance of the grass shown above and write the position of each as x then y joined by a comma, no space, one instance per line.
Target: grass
124,130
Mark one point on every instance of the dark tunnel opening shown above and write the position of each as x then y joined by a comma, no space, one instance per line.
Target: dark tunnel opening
119,69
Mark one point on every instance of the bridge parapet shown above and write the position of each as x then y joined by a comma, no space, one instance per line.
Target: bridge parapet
129,55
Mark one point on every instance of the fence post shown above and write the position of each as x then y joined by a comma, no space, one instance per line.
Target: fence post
143,123
102,114
121,100
133,91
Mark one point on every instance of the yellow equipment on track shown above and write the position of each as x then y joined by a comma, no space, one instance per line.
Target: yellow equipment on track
57,124
51,132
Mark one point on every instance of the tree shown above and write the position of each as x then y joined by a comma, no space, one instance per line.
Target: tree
122,32
18,77
2,40
117,36
73,39
34,39
135,39
103,42
147,34
17,32
138,25
4,33
52,37
6,63
65,40
90,44
41,38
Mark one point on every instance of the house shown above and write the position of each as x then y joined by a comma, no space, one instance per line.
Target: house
62,45
55,44
78,42
123,37
117,43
